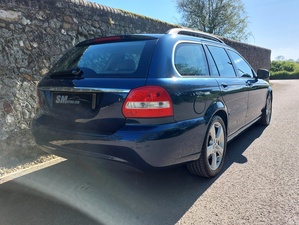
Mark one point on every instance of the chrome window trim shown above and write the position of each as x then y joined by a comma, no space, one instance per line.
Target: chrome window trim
83,89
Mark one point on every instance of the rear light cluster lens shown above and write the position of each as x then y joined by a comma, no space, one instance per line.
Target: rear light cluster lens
148,102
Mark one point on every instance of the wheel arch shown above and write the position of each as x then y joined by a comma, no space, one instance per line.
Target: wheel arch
223,115
202,166
217,108
270,92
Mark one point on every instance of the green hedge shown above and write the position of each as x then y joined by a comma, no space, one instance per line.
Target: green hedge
284,75
284,70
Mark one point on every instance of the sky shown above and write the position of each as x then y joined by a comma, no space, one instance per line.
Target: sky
273,23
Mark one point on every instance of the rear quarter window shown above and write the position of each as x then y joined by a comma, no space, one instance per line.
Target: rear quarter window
190,60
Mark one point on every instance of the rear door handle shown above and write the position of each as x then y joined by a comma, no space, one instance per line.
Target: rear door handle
224,85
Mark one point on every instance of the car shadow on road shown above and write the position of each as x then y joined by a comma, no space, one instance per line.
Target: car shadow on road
121,196
240,144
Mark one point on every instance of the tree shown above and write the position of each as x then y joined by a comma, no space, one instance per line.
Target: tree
280,58
226,18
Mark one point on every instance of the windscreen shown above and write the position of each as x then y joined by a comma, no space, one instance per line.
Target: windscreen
112,60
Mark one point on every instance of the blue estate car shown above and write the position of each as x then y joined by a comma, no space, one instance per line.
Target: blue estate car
151,100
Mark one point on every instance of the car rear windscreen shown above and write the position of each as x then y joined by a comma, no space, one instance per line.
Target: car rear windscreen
128,59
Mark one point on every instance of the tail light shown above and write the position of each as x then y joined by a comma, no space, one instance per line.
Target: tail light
148,102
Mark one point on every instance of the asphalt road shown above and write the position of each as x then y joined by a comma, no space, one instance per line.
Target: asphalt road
259,184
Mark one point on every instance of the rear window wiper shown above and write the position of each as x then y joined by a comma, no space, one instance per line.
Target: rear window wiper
74,72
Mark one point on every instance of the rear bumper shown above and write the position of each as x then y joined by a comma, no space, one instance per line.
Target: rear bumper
141,146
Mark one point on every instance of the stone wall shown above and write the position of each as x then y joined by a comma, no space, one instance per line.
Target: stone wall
34,33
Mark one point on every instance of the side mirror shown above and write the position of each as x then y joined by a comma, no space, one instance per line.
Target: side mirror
263,74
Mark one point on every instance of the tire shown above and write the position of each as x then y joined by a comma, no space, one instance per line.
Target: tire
213,150
267,112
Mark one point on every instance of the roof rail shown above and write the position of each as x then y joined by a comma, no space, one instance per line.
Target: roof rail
189,32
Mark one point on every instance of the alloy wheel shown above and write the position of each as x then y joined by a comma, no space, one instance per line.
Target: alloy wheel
215,145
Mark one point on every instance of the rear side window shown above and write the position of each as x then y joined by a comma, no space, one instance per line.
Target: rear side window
115,60
190,60
244,70
223,63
